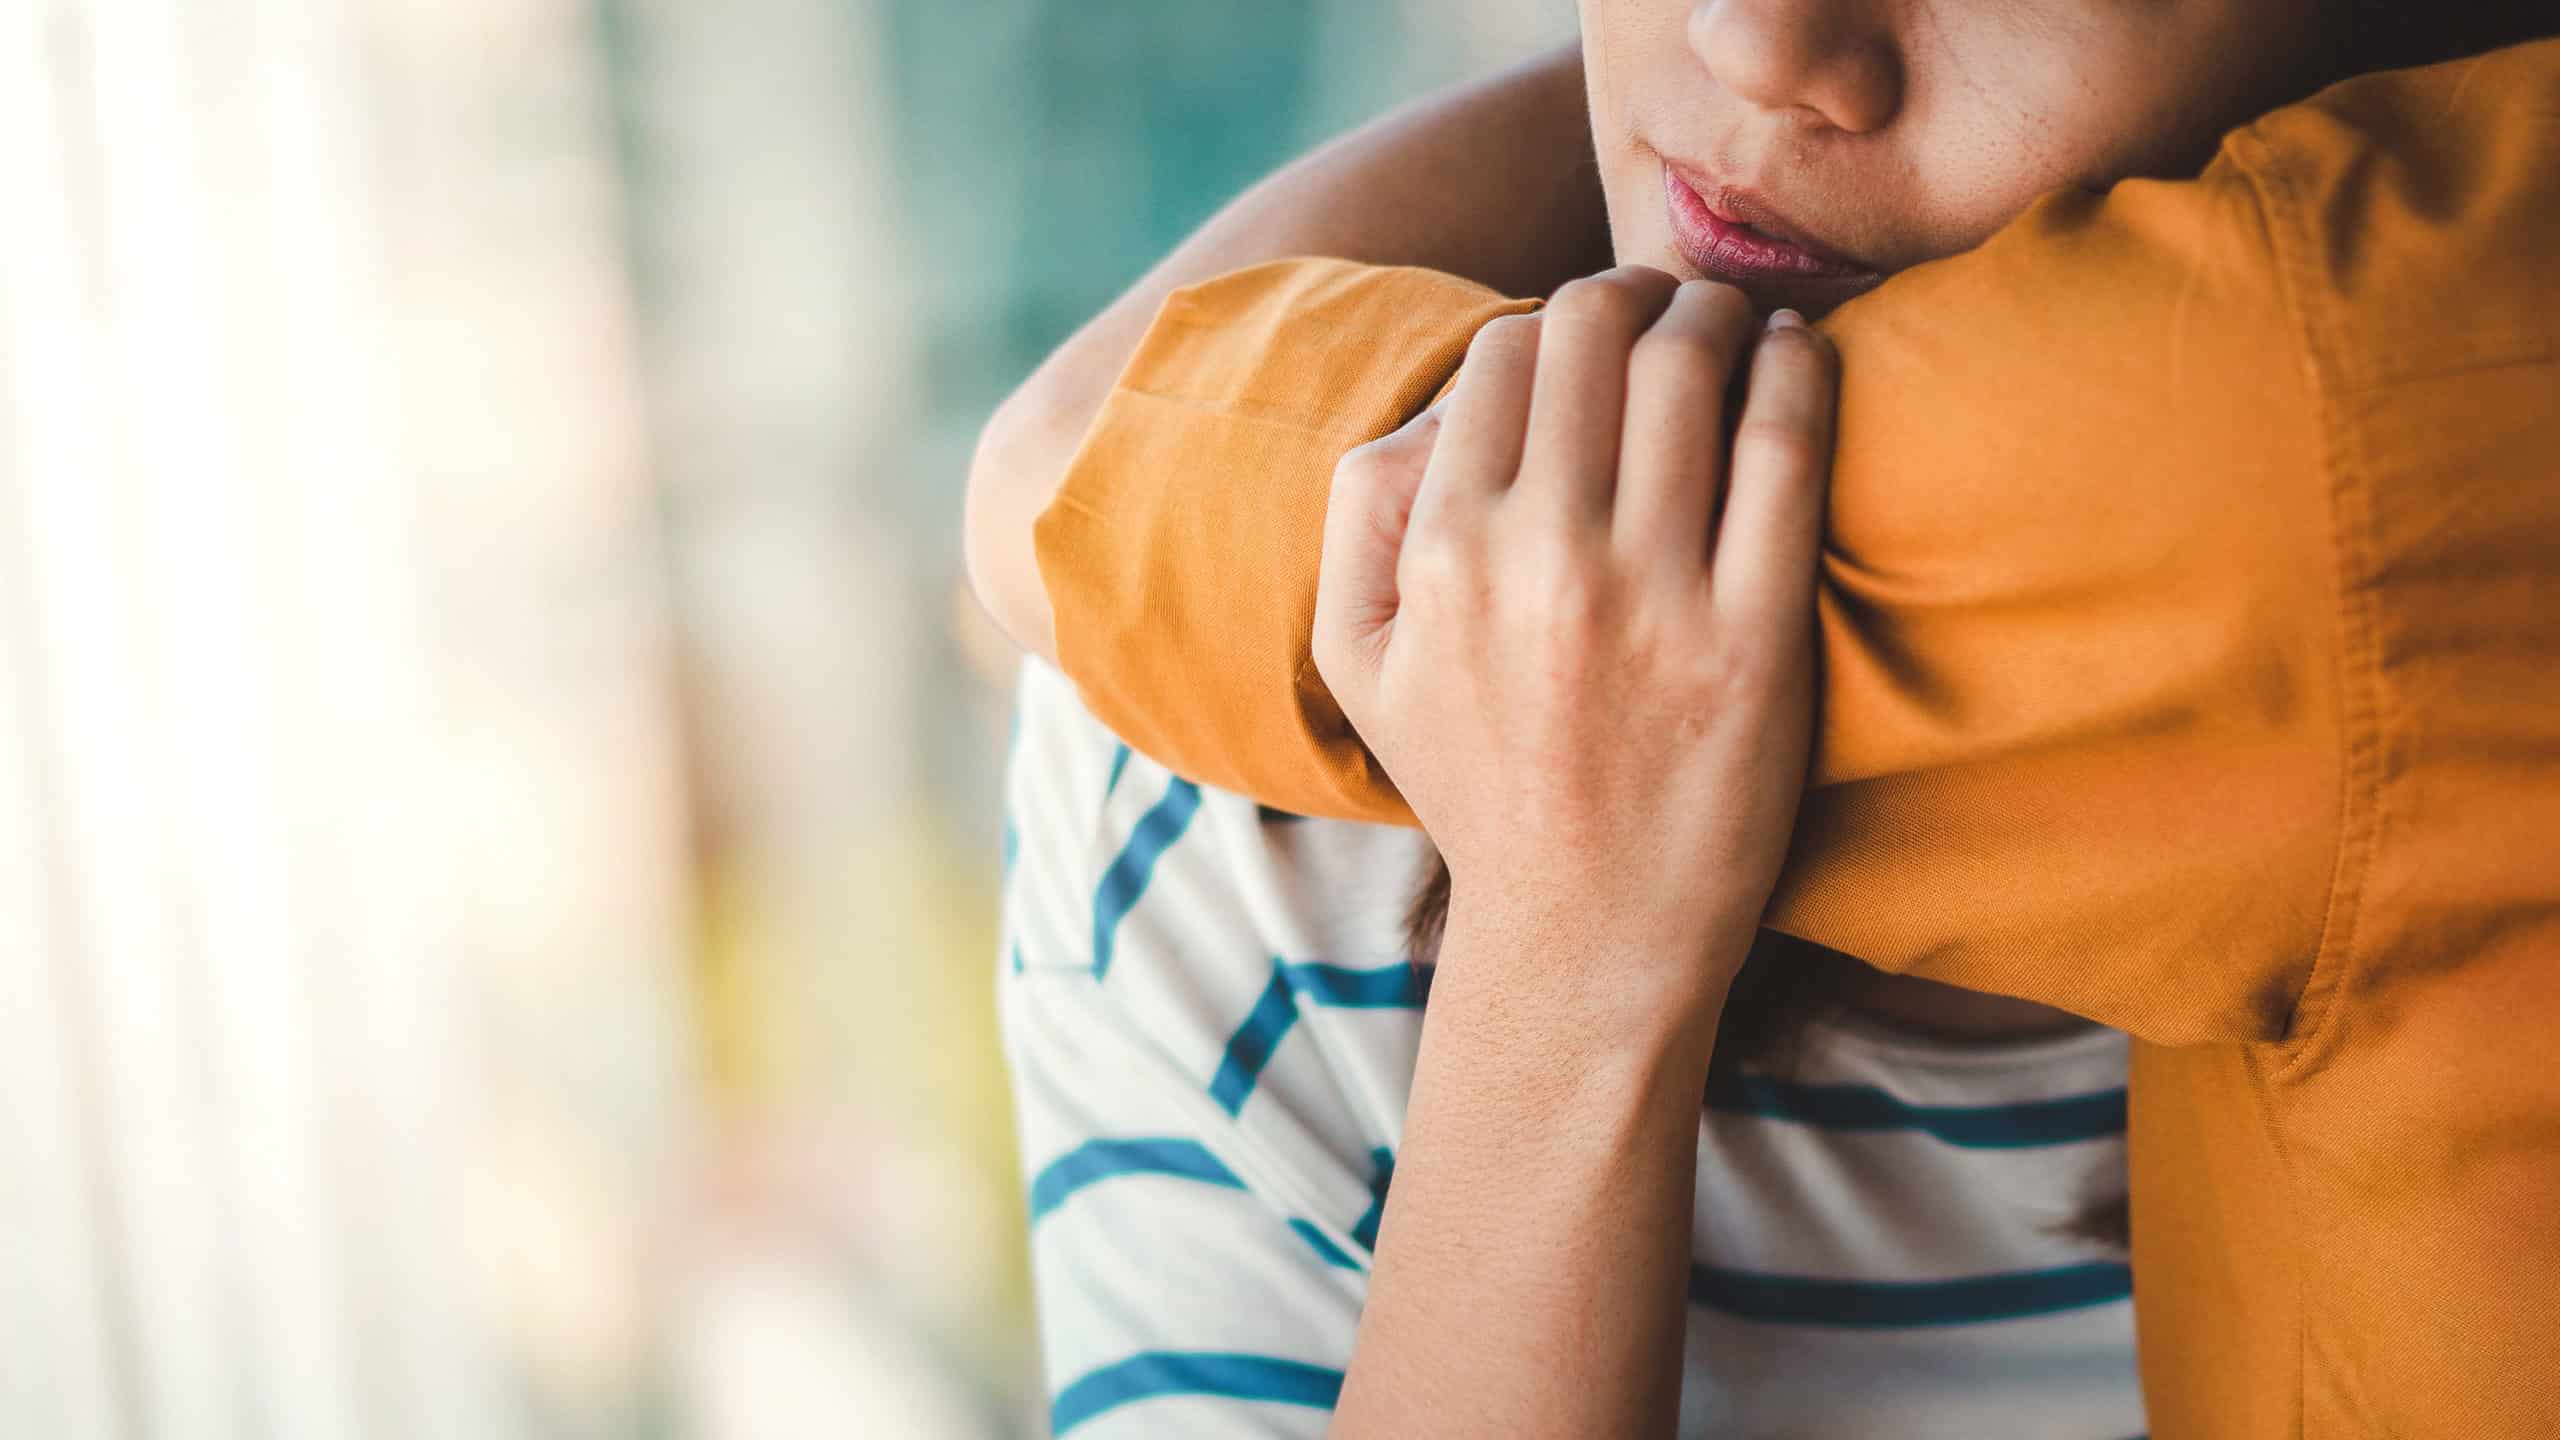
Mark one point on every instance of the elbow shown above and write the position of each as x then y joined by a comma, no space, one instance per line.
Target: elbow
982,508
1015,469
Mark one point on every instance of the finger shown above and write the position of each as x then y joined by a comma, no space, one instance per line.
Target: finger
1671,452
1772,533
1366,520
1571,457
1486,416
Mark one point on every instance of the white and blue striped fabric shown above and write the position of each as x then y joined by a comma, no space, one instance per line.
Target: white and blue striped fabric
1212,1028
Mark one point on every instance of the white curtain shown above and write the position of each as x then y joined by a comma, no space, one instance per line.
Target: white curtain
341,827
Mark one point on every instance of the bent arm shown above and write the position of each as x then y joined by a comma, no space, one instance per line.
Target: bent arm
1540,225
2078,624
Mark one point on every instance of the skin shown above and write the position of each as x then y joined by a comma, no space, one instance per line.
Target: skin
1595,696
1900,131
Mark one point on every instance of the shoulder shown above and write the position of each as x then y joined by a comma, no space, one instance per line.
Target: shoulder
2416,213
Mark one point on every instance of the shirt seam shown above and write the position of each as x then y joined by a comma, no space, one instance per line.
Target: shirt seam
2315,1004
2357,659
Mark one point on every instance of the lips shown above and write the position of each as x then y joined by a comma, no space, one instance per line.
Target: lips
1730,235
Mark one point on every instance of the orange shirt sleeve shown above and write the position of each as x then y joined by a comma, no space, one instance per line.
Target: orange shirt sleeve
2078,620
1180,552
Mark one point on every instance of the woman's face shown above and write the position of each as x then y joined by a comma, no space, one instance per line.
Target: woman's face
1804,149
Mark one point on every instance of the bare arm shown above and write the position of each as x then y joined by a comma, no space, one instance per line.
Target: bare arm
1492,181
1532,1269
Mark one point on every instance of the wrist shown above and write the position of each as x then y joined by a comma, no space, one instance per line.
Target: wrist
1576,983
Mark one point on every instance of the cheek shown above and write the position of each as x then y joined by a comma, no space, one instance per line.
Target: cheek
1993,118
2003,115
1639,234
1639,219
1637,67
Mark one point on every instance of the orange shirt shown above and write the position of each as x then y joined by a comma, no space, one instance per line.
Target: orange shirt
2191,634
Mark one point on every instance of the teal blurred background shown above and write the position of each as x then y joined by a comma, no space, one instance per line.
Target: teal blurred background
498,768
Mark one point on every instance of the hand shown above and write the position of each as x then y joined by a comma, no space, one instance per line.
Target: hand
1576,626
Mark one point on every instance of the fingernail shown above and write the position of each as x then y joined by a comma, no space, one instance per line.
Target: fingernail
1785,320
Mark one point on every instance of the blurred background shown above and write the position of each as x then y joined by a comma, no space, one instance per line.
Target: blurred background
498,833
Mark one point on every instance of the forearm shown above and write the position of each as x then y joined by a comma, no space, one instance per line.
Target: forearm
1493,182
1532,1268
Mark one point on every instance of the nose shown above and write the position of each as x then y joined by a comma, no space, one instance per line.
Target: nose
1824,58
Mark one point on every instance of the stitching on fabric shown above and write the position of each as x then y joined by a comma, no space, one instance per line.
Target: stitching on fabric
2263,177
2522,356
2357,663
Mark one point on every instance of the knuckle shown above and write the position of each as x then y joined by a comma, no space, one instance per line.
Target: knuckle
1645,284
1558,586
1504,335
1367,468
1798,353
1730,303
1598,303
1360,466
1436,562
1755,664
1683,358
1500,350
1645,628
1786,446
1722,309
1741,655
1566,614
1716,670
1533,544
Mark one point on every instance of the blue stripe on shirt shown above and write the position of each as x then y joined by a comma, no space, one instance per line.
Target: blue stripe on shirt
1098,1160
1250,1047
1325,1249
2098,1115
1174,1372
1135,865
1382,1162
1880,1304
1387,987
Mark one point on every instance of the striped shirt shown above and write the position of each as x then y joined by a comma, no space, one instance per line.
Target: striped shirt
1212,1027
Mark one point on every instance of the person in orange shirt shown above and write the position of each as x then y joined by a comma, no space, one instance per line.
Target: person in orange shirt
2187,624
